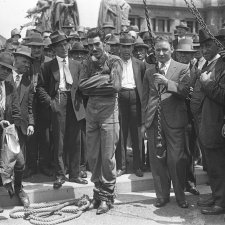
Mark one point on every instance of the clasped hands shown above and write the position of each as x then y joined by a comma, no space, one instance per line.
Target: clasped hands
160,79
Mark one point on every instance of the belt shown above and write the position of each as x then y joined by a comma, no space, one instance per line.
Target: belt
128,89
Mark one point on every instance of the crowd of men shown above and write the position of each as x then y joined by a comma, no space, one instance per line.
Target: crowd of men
79,98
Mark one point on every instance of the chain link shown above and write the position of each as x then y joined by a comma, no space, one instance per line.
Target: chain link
194,11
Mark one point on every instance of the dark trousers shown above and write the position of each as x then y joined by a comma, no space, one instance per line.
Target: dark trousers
66,136
83,144
215,159
130,114
174,166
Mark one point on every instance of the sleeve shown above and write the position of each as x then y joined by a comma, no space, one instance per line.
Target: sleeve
102,84
31,105
145,95
42,86
182,86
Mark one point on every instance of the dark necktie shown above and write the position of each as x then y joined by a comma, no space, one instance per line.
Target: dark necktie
196,64
205,65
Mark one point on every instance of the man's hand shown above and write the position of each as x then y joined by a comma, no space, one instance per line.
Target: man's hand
4,123
30,130
205,77
143,132
160,79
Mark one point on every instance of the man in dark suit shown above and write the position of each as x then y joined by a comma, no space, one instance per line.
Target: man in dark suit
57,89
130,102
167,162
211,120
25,92
10,114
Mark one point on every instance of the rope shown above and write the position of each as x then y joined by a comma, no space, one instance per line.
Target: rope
53,213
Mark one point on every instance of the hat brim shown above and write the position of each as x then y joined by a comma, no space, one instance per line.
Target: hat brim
141,45
56,42
184,50
7,65
186,28
109,27
23,54
126,43
35,44
112,43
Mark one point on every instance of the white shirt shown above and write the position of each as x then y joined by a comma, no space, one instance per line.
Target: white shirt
14,78
3,98
62,81
128,75
167,64
201,62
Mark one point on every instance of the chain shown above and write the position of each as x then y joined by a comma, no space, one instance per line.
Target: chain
194,11
159,127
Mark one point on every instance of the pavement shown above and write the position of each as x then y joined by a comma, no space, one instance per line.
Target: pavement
135,208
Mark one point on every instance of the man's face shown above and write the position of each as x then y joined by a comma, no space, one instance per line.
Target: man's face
140,52
209,49
36,51
181,32
184,57
108,30
126,51
4,72
115,49
79,55
67,30
16,38
61,49
96,47
22,64
163,51
198,54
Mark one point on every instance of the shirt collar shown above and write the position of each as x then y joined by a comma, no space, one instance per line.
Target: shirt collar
167,64
60,60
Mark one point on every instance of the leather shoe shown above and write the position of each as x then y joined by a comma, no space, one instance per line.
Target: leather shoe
94,204
183,205
160,202
214,210
120,172
139,173
83,174
78,180
103,208
193,190
206,202
23,197
58,183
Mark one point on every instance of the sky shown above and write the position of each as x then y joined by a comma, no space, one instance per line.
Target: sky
13,12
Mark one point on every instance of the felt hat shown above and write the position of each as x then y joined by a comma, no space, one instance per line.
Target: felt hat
126,39
6,59
36,39
185,45
78,47
113,40
108,25
140,43
183,24
15,32
204,36
58,36
23,51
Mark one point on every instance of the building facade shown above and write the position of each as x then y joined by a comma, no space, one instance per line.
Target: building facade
166,14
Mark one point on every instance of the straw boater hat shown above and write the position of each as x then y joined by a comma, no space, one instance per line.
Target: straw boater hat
183,25
204,36
57,37
185,45
36,40
108,25
78,47
140,43
126,39
23,51
6,59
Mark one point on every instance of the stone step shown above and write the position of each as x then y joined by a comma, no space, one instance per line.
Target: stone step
40,189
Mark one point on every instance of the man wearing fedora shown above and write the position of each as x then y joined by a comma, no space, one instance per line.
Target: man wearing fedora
25,92
108,28
211,120
185,54
101,81
113,42
10,114
167,161
39,144
182,30
58,90
130,101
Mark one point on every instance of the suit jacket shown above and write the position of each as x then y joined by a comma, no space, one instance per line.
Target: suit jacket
12,108
172,100
48,85
213,108
26,95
